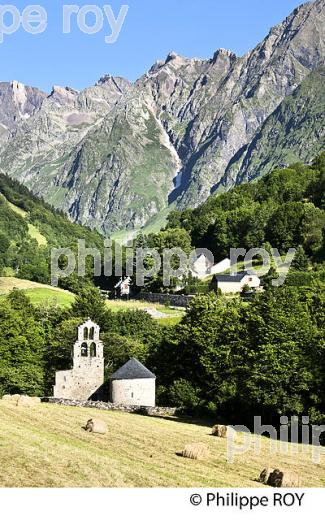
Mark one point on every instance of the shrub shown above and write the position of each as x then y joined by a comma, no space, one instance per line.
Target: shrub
183,395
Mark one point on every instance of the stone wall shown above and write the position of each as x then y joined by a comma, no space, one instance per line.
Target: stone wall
175,300
154,411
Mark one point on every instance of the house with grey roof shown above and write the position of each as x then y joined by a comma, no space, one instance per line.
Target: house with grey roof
133,384
234,283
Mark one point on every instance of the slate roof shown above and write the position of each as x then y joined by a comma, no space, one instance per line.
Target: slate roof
133,369
231,277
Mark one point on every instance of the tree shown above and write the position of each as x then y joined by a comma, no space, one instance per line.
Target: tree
4,244
119,349
300,261
202,348
89,304
58,353
183,395
137,325
284,227
312,228
267,279
22,344
277,372
20,302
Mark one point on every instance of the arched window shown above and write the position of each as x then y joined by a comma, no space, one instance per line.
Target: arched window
91,333
85,333
84,350
92,350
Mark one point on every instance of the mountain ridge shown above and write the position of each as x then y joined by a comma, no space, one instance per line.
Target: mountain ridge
116,154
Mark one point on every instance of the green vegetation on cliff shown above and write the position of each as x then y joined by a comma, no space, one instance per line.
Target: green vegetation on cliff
29,228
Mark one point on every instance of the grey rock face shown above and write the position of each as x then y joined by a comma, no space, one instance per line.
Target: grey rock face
116,154
17,103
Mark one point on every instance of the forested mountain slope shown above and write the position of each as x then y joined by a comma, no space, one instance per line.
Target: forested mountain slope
29,228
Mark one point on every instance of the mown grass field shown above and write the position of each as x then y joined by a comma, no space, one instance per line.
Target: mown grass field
45,446
173,316
39,294
125,305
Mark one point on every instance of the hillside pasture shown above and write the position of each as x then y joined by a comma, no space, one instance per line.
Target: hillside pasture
165,314
46,446
39,294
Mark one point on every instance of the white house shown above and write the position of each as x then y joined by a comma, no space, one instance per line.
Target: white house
220,267
203,267
123,287
133,384
234,283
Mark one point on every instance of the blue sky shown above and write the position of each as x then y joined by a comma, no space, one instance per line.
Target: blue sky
151,29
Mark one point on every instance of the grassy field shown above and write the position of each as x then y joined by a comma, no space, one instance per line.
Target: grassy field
46,446
39,294
173,316
169,322
45,296
124,305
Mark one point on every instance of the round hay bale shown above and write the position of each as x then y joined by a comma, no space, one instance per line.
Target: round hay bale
223,431
279,478
6,397
25,400
11,398
264,476
282,478
196,451
96,426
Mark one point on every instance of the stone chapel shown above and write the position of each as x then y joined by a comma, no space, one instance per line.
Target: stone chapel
87,374
132,384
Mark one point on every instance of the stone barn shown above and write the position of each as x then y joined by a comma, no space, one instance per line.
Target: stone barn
87,374
133,384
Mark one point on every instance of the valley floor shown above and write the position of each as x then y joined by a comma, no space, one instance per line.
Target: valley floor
46,446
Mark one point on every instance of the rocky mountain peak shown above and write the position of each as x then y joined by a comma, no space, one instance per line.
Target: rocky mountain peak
172,55
222,54
115,84
156,66
63,95
17,103
176,60
184,130
107,78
